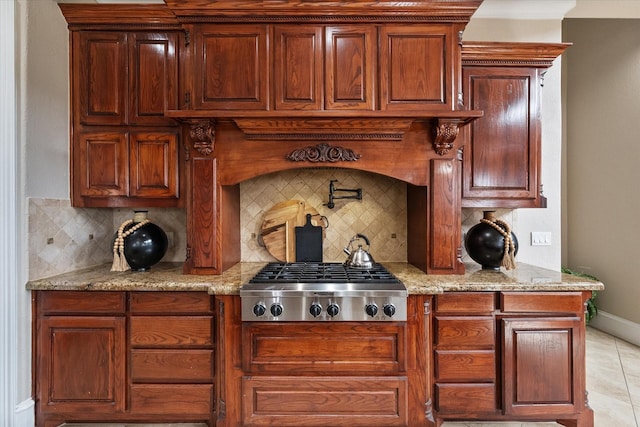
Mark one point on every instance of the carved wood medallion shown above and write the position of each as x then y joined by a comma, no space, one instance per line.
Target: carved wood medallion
323,153
203,135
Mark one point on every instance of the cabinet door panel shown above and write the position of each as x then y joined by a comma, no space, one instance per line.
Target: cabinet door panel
154,164
350,67
298,68
231,67
541,359
81,364
180,399
502,149
103,164
154,366
320,401
100,77
153,75
415,67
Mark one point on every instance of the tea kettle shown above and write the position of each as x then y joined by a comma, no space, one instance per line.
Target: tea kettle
358,258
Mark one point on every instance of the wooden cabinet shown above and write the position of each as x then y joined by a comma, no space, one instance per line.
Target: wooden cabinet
79,363
119,356
124,151
418,66
502,150
511,356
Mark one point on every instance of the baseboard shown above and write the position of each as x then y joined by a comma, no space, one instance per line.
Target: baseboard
24,415
617,326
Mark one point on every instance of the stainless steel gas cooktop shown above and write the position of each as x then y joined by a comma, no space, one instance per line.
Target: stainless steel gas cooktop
323,292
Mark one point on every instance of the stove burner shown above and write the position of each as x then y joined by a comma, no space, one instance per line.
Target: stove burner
302,272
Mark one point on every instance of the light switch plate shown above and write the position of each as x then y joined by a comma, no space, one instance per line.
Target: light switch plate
540,238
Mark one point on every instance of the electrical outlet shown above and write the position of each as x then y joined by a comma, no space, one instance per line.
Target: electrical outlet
540,238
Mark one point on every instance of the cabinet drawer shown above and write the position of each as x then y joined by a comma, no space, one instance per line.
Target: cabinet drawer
376,348
541,302
175,302
81,302
172,399
171,365
465,331
466,303
465,398
320,401
465,366
166,331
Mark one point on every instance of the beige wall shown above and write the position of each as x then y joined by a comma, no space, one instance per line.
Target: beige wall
602,155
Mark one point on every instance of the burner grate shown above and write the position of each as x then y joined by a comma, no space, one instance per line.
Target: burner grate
279,272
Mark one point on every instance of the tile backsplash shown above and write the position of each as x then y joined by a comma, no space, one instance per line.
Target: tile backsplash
63,238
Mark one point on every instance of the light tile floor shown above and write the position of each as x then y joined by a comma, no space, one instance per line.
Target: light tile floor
613,382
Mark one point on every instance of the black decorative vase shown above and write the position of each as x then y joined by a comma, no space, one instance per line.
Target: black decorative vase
485,244
146,245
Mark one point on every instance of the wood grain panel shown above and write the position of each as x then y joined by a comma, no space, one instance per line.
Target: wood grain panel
465,332
323,347
172,399
298,67
466,398
318,401
76,302
103,164
176,302
167,331
466,303
153,164
350,71
465,366
167,366
541,302
100,77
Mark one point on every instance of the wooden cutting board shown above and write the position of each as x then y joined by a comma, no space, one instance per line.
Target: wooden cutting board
278,228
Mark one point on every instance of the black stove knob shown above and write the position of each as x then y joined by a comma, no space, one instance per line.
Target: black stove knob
259,309
389,310
276,309
315,309
333,309
371,309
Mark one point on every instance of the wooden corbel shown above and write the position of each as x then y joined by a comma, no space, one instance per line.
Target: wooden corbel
446,133
203,135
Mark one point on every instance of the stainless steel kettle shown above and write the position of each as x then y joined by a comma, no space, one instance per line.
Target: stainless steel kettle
358,258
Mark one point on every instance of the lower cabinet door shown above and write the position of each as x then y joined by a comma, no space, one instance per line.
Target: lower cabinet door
81,365
541,365
323,401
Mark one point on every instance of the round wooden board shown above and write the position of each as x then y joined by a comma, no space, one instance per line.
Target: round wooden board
278,227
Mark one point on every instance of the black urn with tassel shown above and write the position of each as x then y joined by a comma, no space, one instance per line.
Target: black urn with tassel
138,244
491,243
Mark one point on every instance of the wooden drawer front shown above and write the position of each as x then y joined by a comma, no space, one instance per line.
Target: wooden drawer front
171,366
465,398
465,366
541,302
323,348
465,331
466,303
316,401
81,302
174,302
172,399
169,331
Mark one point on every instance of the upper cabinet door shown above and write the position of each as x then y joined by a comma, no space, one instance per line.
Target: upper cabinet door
153,164
100,77
416,67
502,149
350,67
231,67
153,77
298,54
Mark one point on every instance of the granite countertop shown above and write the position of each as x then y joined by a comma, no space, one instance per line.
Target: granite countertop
169,277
